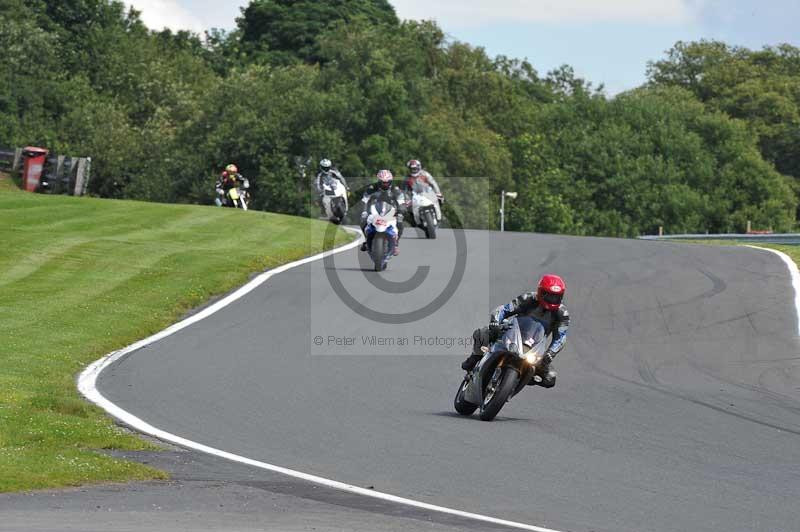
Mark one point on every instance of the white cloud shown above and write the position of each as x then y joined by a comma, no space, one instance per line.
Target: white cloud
472,13
160,14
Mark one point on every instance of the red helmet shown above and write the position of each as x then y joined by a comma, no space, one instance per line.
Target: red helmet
414,167
550,291
385,178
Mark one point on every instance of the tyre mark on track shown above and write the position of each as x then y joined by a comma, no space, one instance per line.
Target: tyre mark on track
718,287
783,401
553,255
667,391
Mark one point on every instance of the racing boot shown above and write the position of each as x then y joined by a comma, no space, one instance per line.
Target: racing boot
480,338
471,361
546,377
363,246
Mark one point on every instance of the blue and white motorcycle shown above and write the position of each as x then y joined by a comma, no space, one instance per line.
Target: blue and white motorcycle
381,233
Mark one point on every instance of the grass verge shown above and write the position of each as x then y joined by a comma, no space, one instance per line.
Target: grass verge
792,251
82,277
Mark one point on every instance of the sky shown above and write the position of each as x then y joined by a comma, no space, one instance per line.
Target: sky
607,42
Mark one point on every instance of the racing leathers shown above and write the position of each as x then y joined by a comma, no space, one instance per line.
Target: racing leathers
424,177
555,323
388,197
227,181
398,198
333,172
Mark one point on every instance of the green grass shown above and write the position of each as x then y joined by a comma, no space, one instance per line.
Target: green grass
792,251
81,277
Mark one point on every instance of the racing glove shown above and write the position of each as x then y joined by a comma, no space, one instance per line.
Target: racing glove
499,327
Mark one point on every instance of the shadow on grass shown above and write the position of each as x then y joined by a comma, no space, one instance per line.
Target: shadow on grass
10,181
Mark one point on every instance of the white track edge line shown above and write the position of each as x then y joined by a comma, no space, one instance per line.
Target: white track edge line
87,385
795,273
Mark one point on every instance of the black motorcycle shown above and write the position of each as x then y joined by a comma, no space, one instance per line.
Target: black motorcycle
507,366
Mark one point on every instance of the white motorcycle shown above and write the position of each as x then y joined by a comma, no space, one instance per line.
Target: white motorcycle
425,208
334,199
382,221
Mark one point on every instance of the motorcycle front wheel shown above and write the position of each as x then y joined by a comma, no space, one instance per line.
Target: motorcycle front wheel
338,211
430,225
462,406
379,251
497,393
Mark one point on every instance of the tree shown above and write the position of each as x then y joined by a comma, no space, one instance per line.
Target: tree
759,87
288,30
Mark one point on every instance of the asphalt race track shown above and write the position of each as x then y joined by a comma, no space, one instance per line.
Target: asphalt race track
677,406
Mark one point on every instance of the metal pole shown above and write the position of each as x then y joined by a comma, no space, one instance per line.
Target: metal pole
502,210
17,159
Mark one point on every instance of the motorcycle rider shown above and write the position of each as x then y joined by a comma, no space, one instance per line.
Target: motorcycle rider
416,173
230,178
326,169
383,186
544,306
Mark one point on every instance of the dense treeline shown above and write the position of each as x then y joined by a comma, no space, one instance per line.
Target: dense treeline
711,141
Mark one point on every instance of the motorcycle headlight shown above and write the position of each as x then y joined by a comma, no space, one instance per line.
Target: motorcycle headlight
532,358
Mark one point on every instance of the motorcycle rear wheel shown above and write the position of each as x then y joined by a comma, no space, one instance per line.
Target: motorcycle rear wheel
493,402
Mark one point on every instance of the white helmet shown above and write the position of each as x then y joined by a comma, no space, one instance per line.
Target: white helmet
414,167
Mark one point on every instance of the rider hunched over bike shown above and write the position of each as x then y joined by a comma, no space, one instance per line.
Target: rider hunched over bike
415,174
544,306
383,187
326,169
230,178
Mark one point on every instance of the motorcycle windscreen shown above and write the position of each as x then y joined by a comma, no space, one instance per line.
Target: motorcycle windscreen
329,184
532,334
421,188
528,333
382,208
